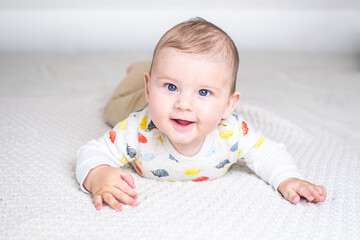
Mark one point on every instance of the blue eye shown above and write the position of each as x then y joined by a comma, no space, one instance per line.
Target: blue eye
171,87
204,92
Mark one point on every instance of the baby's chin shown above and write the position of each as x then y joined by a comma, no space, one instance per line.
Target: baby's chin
186,141
180,140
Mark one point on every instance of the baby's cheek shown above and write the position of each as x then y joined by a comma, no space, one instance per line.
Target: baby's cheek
208,122
207,127
160,116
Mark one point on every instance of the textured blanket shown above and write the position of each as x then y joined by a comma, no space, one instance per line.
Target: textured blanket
42,128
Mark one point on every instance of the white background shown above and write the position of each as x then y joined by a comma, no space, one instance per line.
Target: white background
91,26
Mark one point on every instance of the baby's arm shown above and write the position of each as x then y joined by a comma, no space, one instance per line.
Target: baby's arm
111,185
272,162
292,189
98,169
277,167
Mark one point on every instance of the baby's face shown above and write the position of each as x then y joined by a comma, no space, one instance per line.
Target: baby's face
188,96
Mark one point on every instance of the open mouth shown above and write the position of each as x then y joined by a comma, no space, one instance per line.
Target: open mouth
182,123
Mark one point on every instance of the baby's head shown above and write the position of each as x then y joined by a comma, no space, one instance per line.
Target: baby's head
198,36
191,85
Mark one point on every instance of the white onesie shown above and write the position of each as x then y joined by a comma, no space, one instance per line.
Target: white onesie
137,140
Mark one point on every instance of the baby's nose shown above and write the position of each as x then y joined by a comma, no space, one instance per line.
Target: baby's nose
185,102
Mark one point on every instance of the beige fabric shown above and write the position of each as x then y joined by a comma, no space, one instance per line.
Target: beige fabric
129,95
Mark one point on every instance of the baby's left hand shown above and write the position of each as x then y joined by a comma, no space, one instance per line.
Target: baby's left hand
292,189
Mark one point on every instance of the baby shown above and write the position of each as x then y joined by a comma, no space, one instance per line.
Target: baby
188,131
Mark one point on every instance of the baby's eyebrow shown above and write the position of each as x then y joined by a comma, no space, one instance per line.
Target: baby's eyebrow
207,87
168,78
217,87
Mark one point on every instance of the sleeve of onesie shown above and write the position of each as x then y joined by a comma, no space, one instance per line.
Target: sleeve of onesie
115,148
268,159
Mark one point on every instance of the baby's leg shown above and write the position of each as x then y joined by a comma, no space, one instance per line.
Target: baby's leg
129,95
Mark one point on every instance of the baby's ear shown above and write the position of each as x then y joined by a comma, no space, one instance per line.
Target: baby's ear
233,100
147,82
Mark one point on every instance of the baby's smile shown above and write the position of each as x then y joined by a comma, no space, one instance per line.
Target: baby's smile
181,124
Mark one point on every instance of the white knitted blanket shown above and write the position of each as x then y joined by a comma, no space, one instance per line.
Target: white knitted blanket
40,198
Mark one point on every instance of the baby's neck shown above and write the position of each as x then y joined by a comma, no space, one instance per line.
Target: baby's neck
189,150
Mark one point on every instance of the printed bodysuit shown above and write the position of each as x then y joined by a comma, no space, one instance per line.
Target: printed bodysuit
137,141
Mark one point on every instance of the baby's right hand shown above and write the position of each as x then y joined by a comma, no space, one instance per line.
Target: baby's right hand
111,185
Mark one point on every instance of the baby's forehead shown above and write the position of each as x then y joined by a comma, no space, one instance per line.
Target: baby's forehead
194,62
168,53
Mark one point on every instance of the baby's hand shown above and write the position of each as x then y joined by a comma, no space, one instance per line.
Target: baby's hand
292,189
111,185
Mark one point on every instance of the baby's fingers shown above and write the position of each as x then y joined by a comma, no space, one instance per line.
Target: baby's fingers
123,195
111,201
305,191
319,193
127,189
313,193
98,202
127,178
292,196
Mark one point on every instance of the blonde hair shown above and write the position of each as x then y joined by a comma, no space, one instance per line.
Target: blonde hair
201,37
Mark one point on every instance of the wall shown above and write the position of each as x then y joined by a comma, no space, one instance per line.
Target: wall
65,26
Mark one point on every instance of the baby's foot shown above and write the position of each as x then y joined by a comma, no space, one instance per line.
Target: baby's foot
134,65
